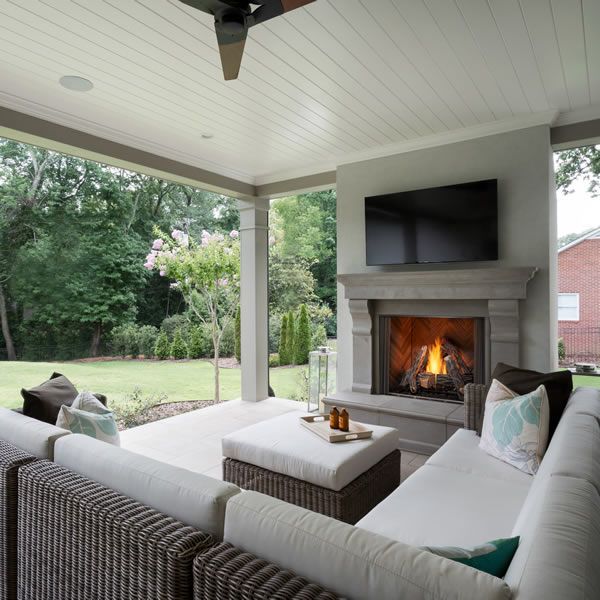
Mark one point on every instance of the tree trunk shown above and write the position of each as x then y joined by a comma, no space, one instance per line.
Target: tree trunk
10,347
96,337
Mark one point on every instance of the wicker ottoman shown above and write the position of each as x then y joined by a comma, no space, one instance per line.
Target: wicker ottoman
281,458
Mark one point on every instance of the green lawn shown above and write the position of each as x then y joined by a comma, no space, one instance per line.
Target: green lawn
582,380
188,380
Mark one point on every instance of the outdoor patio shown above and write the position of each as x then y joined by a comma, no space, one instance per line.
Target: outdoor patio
193,440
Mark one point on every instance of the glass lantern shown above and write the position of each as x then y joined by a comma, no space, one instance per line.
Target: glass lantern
322,377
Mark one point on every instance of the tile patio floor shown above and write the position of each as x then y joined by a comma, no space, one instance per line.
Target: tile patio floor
193,440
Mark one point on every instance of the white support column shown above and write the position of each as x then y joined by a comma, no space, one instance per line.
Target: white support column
254,236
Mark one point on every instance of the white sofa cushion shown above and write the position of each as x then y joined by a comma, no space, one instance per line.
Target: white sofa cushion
462,453
575,449
443,507
559,553
356,564
584,400
32,436
192,498
285,446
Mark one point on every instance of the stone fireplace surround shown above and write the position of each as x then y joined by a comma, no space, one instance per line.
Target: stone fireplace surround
489,293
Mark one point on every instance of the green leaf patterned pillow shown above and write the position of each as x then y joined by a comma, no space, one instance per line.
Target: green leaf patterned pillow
100,426
493,558
515,428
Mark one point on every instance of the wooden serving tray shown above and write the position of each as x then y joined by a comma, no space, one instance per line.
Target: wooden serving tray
319,424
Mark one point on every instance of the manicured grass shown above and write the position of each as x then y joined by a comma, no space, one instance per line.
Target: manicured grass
583,380
185,380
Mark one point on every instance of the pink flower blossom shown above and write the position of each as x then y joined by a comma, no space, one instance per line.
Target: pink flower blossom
149,266
162,273
158,244
235,234
176,234
223,282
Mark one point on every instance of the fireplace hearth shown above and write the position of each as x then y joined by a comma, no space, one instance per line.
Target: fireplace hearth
430,357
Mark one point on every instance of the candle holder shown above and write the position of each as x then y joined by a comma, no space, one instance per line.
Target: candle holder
322,377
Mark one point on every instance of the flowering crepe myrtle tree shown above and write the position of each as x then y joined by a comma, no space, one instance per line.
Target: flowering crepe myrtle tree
207,274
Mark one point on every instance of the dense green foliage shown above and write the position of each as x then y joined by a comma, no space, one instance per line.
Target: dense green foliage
73,234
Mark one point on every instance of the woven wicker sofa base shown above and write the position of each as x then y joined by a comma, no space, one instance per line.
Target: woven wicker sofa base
350,504
81,541
225,572
11,460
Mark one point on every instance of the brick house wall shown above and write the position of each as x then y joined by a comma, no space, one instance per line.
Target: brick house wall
579,272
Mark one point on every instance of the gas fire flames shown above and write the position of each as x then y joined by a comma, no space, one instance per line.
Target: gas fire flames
435,359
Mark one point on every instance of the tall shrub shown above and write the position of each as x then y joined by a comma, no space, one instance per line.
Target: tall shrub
283,355
290,342
162,349
238,334
179,347
146,340
303,337
197,343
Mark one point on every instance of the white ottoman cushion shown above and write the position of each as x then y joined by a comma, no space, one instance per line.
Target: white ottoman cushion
285,446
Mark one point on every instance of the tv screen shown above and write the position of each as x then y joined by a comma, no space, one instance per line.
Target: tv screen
454,223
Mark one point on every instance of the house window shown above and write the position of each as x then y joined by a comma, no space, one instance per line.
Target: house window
568,307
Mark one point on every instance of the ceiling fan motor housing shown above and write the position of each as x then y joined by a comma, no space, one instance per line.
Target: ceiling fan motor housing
231,21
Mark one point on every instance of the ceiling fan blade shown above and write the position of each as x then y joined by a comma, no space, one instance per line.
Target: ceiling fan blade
231,49
270,9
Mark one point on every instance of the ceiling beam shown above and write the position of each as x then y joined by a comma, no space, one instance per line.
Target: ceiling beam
39,132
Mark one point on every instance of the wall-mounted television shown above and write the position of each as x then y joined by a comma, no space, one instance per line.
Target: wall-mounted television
454,223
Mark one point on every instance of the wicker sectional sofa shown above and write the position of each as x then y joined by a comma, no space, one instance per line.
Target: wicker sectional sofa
99,522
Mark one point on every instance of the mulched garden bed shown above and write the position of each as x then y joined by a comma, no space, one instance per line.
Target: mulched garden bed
169,409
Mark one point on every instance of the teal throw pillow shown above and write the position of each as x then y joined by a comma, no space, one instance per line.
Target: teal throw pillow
493,558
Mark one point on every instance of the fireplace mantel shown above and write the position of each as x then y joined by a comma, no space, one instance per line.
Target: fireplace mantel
457,284
501,288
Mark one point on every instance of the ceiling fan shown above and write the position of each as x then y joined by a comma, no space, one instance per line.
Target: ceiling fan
233,18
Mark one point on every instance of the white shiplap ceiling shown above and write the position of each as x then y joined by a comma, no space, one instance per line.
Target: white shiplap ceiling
337,80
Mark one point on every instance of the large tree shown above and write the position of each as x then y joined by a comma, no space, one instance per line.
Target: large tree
579,164
304,229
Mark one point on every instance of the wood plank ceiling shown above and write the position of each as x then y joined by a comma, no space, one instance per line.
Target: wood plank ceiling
323,83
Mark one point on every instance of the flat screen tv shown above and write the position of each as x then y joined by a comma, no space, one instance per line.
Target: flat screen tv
454,223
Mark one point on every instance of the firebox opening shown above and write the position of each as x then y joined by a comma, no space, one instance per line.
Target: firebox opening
433,357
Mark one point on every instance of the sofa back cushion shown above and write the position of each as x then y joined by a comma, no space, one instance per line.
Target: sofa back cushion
192,498
352,562
558,556
584,400
32,436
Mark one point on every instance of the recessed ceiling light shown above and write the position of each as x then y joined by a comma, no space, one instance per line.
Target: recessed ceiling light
207,136
76,83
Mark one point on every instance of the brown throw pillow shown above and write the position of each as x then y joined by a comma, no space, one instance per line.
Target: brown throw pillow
44,401
559,386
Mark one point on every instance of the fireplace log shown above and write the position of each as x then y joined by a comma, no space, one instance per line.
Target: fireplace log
410,377
451,350
426,380
455,374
